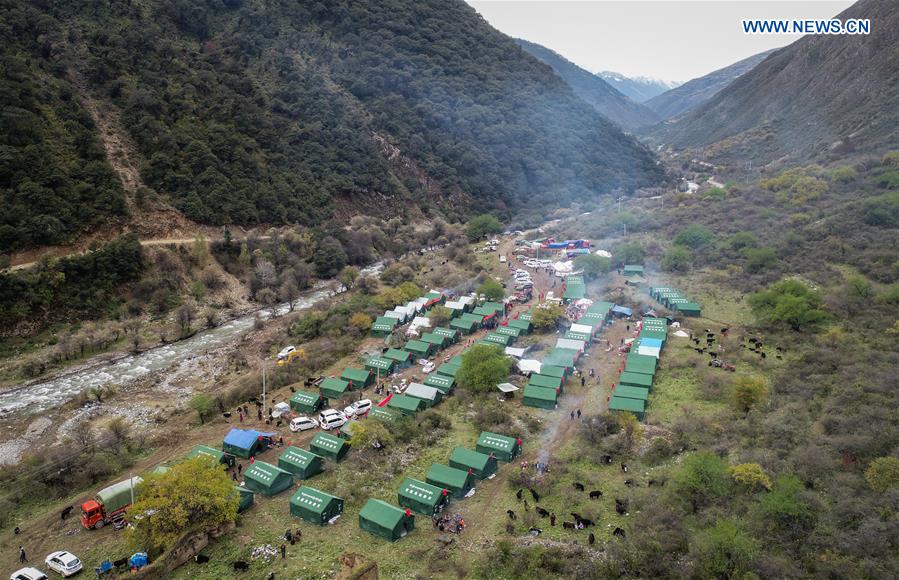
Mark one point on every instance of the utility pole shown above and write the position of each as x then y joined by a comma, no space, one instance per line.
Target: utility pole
263,385
619,203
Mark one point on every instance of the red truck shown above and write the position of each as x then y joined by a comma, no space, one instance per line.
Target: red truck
109,503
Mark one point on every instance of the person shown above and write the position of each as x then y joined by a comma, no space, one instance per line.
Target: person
234,476
583,381
288,535
628,327
283,551
259,413
281,441
22,557
572,415
298,534
552,519
578,413
240,414
239,469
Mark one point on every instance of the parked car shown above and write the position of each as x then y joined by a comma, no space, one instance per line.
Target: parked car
28,574
428,368
285,352
331,419
302,424
63,562
502,259
358,409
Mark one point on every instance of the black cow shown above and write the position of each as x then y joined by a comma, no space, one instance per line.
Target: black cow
543,513
578,486
534,494
240,566
607,459
568,525
591,539
65,512
201,559
518,494
654,482
119,563
577,517
595,494
621,506
624,467
512,515
629,482
618,532
587,523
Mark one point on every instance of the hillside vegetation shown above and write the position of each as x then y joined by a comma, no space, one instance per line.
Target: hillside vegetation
248,112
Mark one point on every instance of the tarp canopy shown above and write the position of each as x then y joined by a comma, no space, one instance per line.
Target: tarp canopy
422,497
480,464
306,402
405,404
633,269
329,446
303,464
315,506
581,328
622,310
382,414
529,365
502,447
507,387
635,406
653,351
266,479
430,395
630,392
576,345
382,519
442,383
542,397
457,481
334,388
118,495
212,453
514,352
360,378
579,336
244,442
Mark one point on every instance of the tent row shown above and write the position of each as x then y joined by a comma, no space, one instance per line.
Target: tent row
402,314
672,299
631,392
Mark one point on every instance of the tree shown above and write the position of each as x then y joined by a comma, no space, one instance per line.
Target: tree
592,265
204,405
483,367
185,316
751,475
268,298
481,226
883,473
789,303
724,551
630,253
694,237
677,259
783,507
759,259
348,277
748,393
701,478
492,290
289,292
631,431
440,315
194,495
396,274
329,258
265,273
369,433
545,316
361,321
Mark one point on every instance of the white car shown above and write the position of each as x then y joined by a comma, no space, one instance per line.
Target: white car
331,419
358,409
64,562
28,574
428,368
502,259
285,352
302,424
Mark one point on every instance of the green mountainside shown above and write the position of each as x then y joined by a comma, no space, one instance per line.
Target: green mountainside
252,112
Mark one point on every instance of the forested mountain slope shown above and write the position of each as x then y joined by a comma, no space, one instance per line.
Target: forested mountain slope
594,90
695,92
253,112
821,96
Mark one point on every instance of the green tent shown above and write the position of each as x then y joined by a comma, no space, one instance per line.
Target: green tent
635,380
578,336
480,464
419,348
457,481
266,479
521,324
380,365
450,333
358,378
500,339
635,406
382,519
448,370
245,498
383,325
551,371
332,388
485,312
315,506
430,395
476,318
545,381
306,402
640,363
346,430
540,397
509,331
464,326
304,464
526,316
215,454
633,270
402,358
329,446
497,307
502,447
574,292
422,497
440,382
405,404
689,309
629,392
382,414
437,340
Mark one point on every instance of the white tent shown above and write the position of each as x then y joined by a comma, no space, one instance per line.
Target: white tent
507,387
421,391
515,352
398,314
572,344
581,328
603,253
681,334
649,350
455,305
466,299
529,365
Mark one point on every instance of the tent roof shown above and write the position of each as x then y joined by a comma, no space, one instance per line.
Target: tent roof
625,404
449,475
397,354
448,332
581,328
206,451
305,397
379,362
244,439
417,346
496,441
546,381
298,457
354,374
635,378
384,323
329,442
439,380
552,371
383,414
469,457
312,499
421,491
333,384
420,391
407,403
630,392
542,393
264,472
570,344
507,387
382,513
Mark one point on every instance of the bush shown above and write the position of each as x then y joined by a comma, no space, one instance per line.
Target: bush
724,551
883,474
492,290
546,316
694,237
204,405
677,259
396,274
482,226
791,304
592,265
630,253
701,478
759,259
843,174
751,476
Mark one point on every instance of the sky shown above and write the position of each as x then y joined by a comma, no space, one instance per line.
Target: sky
673,40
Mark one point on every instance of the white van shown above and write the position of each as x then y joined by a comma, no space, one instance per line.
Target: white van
502,259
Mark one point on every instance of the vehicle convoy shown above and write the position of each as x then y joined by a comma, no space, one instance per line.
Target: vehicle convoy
109,503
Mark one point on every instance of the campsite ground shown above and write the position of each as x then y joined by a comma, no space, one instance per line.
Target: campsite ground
679,392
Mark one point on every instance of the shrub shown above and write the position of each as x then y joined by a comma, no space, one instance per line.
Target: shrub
843,174
724,551
677,259
748,393
483,367
492,290
694,237
546,316
751,475
592,265
759,259
789,303
883,473
701,478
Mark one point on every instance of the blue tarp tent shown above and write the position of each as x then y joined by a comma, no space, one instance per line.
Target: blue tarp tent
622,310
244,443
651,342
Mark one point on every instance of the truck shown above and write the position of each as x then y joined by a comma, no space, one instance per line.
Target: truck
108,504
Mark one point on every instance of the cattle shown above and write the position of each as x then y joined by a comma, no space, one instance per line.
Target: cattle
724,330
240,566
654,482
762,354
621,506
535,531
65,512
586,523
595,494
512,515
607,459
778,357
119,563
577,517
591,539
518,494
534,494
510,529
579,486
624,467
201,559
293,390
568,525
713,354
543,513
629,482
618,532
226,415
